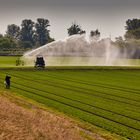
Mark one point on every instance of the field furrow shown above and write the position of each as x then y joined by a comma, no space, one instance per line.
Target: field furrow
107,99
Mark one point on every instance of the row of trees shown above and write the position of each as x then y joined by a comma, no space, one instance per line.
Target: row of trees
34,34
132,30
18,39
30,33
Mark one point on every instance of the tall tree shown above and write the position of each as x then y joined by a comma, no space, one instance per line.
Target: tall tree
42,33
75,29
132,29
132,24
13,31
27,32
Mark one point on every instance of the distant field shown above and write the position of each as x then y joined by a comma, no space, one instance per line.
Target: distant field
109,99
8,61
84,61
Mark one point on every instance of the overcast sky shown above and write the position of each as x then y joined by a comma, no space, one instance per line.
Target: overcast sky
108,16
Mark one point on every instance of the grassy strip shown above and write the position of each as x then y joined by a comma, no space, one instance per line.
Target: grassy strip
71,68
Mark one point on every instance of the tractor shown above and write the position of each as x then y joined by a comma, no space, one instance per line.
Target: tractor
39,62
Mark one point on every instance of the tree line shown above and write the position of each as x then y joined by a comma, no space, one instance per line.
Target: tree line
29,34
32,34
132,30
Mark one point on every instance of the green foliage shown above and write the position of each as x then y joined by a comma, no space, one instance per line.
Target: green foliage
132,29
133,34
27,32
19,62
132,24
13,31
75,29
6,42
105,98
42,33
25,44
29,35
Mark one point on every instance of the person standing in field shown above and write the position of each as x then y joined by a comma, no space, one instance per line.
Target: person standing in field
7,81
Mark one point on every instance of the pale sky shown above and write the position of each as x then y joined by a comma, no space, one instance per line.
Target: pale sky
109,16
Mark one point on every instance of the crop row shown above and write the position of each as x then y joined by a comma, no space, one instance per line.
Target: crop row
80,102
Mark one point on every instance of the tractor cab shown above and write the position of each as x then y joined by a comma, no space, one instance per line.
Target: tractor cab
40,62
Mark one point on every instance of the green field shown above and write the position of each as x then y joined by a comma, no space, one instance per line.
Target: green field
106,98
8,61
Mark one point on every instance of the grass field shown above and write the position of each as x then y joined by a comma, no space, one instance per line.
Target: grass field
8,61
109,99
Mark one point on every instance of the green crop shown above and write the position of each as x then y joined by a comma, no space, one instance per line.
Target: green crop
109,99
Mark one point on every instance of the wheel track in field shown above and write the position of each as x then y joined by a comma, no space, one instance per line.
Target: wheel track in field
137,129
71,105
